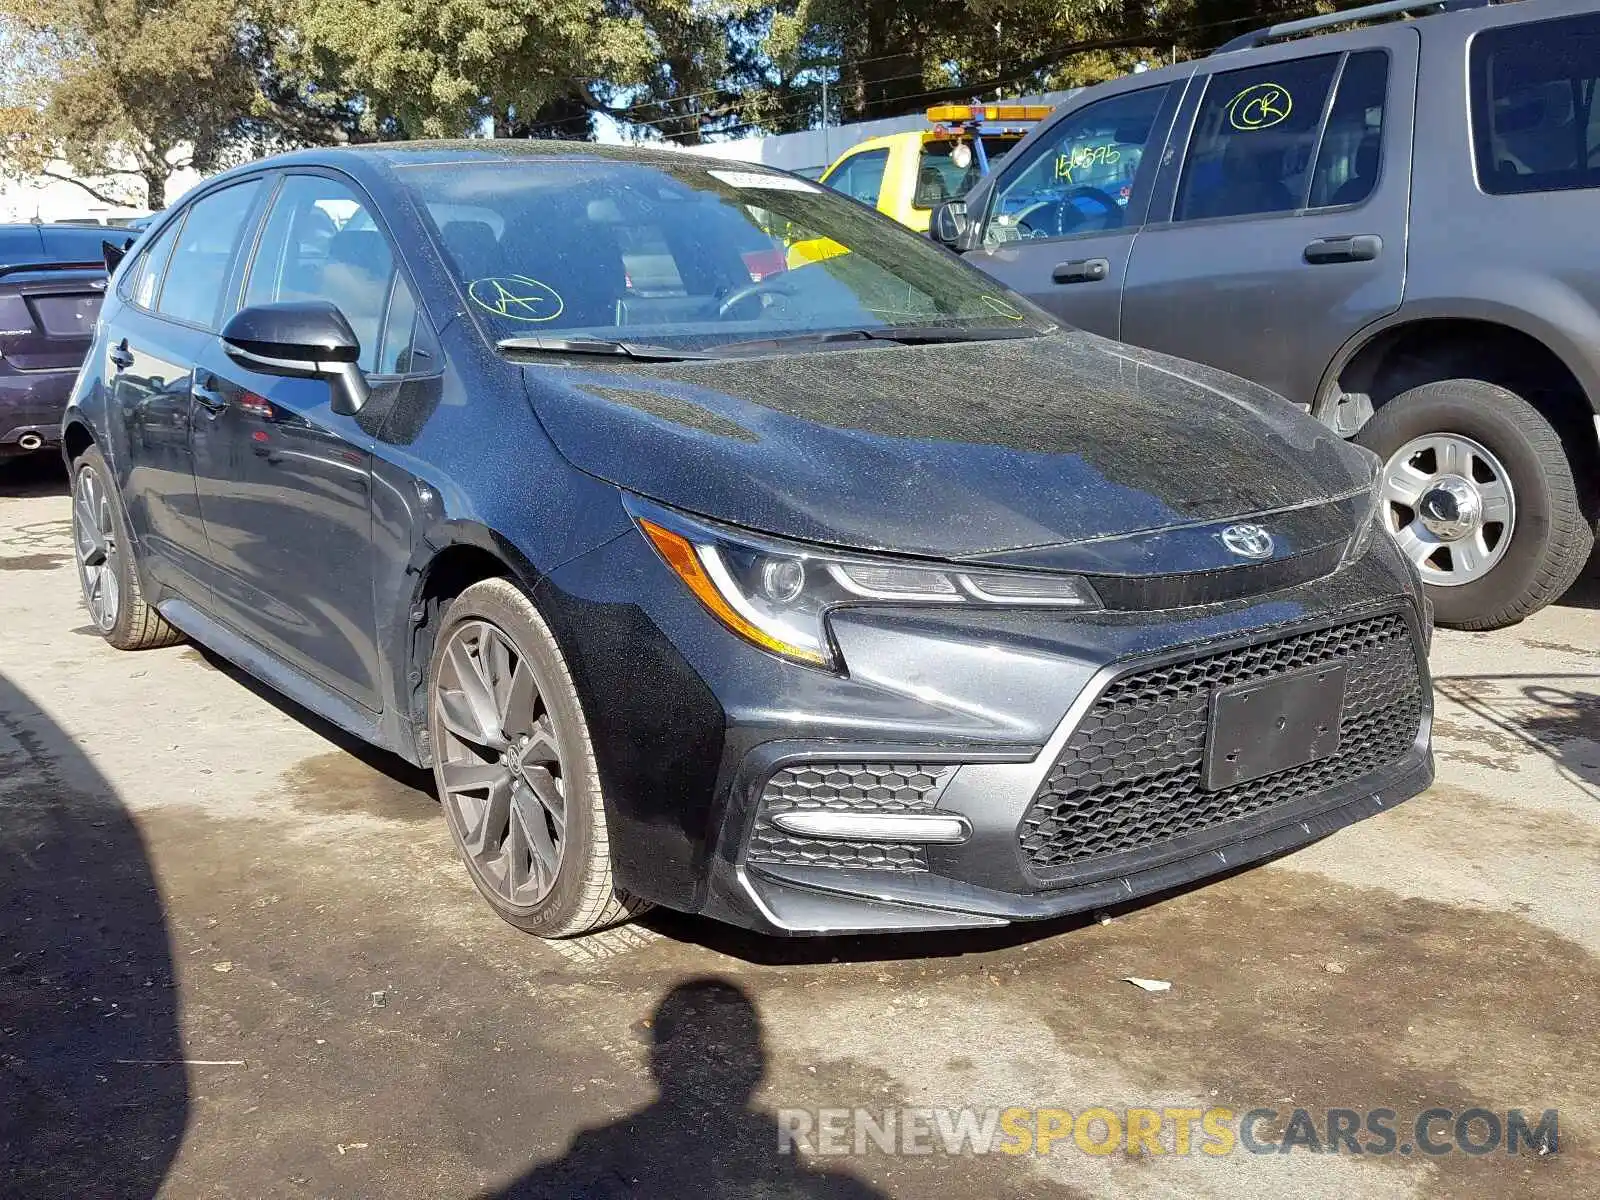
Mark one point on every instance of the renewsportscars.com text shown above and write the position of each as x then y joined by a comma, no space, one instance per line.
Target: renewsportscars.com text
1103,1130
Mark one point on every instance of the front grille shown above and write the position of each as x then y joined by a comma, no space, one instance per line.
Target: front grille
1131,774
845,787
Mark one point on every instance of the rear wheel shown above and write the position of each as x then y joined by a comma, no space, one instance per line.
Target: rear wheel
515,768
106,569
1479,493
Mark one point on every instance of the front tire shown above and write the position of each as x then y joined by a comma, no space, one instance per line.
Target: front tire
515,767
106,569
1480,494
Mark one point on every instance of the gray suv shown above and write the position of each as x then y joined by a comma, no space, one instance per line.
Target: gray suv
1393,225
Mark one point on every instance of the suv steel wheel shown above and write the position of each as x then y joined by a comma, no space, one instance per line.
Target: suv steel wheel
1450,506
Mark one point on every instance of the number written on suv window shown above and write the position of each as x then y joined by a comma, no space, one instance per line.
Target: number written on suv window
1079,178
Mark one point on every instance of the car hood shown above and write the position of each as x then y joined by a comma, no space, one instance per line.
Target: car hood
1006,450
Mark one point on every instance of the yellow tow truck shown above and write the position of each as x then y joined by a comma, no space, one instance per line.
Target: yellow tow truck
907,175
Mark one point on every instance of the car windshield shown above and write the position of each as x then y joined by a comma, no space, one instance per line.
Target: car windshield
694,257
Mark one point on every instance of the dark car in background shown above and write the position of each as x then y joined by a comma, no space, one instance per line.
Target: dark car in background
1391,224
857,595
52,280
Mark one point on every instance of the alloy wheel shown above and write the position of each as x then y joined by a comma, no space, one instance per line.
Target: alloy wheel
1448,502
500,763
94,533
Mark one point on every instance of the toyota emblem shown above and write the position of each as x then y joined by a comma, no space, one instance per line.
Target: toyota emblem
1247,541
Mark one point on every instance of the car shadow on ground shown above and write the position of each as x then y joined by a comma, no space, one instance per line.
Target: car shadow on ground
754,948
382,761
33,475
703,1134
1557,716
94,1093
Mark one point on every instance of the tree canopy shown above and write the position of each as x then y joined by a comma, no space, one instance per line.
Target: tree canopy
125,92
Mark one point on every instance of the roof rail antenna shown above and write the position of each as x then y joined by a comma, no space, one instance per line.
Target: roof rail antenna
1366,12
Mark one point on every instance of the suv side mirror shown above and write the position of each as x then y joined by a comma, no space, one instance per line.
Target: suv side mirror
302,339
948,223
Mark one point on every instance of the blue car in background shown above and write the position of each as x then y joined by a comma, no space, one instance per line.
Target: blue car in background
52,280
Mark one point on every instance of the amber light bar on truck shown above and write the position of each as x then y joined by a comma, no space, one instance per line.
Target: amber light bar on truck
960,113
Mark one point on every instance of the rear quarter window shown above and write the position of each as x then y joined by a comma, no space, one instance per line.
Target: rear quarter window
1534,121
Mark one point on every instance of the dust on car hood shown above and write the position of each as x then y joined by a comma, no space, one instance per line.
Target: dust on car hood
957,451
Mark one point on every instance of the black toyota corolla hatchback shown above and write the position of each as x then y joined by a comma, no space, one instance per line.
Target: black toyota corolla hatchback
723,545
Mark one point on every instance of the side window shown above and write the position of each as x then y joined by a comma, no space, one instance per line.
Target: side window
203,253
861,176
145,278
321,243
1254,138
1535,127
399,337
1352,146
1079,176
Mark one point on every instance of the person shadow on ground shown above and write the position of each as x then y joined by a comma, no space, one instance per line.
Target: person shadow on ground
702,1137
94,1096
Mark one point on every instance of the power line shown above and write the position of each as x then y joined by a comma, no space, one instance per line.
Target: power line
806,95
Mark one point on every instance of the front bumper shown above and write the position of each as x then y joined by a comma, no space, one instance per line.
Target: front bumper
957,713
31,405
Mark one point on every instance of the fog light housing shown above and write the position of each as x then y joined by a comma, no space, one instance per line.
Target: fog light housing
941,829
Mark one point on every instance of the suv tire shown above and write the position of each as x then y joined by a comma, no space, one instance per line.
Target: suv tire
497,674
1550,537
104,551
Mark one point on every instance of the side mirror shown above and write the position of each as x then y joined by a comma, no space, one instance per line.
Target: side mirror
948,223
302,339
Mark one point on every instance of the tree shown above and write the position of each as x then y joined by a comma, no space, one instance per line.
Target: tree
128,92
443,68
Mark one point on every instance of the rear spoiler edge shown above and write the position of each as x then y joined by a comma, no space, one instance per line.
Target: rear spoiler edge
32,268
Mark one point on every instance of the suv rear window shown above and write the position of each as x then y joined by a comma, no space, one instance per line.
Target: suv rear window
1533,106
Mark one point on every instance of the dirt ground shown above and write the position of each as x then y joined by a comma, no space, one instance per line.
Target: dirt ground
238,958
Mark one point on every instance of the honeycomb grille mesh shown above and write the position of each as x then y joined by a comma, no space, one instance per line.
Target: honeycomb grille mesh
1130,777
845,787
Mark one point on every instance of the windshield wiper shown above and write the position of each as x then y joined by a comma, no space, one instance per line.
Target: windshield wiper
905,335
594,345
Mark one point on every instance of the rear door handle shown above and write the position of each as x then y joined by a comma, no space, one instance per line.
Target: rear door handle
205,393
120,356
1360,247
1081,270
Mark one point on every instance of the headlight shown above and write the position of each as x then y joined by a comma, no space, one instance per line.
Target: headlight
778,594
1375,518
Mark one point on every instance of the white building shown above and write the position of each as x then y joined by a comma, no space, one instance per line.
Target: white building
46,199
811,151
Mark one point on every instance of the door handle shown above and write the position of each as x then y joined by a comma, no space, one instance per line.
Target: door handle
1360,247
205,393
120,356
1081,270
